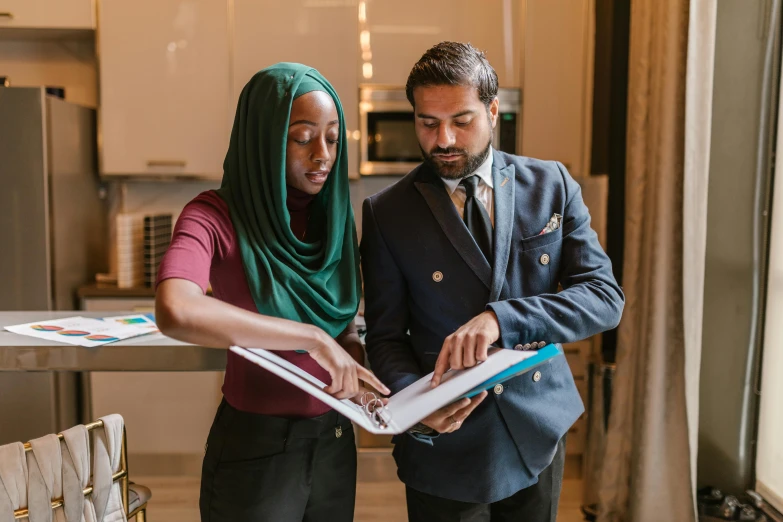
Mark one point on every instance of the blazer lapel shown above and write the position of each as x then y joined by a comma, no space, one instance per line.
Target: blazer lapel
436,196
504,182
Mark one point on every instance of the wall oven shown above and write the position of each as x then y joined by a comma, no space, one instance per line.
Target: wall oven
389,145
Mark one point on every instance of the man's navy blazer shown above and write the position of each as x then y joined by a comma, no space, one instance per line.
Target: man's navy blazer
425,276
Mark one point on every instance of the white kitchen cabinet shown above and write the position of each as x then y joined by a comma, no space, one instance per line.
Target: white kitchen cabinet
165,87
397,40
47,14
321,34
558,82
494,27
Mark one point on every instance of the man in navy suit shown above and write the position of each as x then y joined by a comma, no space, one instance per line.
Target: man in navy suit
468,251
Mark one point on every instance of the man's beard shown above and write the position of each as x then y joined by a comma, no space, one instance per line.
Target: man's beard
458,169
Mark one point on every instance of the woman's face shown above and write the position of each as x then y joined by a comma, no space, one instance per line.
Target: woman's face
312,141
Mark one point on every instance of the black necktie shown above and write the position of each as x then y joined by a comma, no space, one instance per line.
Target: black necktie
476,217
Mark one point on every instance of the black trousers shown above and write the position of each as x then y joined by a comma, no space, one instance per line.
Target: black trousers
259,468
538,503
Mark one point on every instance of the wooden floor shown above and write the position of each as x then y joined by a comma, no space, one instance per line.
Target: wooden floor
380,496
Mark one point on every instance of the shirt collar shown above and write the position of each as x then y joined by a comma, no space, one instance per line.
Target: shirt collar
484,172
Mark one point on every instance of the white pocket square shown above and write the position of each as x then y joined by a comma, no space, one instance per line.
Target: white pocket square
552,225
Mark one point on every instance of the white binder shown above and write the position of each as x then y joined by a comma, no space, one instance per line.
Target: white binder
418,400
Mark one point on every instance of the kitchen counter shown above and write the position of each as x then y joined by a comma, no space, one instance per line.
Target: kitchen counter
93,290
154,352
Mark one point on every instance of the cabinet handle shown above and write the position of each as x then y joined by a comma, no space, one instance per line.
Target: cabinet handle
6,14
166,163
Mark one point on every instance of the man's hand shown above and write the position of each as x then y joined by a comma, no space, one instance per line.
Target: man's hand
468,345
451,417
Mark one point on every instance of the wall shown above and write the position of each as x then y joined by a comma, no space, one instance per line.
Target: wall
558,82
155,196
68,64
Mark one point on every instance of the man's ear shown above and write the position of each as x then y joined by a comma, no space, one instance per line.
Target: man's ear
493,111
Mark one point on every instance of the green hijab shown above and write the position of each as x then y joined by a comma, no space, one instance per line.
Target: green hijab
315,282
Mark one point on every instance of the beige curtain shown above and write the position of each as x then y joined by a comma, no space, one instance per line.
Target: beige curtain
646,473
698,125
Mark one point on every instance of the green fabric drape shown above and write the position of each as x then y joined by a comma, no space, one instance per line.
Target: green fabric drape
317,281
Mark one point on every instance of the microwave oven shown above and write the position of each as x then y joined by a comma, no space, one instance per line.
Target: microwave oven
388,139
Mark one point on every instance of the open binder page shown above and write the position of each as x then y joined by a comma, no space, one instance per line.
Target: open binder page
419,400
305,381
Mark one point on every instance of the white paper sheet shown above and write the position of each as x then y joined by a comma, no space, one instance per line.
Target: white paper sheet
81,331
139,320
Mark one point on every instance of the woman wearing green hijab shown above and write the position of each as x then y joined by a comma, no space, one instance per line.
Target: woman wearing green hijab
278,244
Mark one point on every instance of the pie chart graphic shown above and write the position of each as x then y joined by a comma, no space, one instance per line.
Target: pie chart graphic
73,333
46,328
104,338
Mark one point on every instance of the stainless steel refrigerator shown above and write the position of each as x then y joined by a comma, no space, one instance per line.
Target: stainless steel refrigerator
52,240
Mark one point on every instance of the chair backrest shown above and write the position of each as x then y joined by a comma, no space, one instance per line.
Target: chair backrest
121,475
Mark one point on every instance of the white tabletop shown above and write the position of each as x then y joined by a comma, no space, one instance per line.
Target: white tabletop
148,353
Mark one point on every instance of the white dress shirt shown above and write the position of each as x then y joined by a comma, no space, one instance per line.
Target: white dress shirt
483,192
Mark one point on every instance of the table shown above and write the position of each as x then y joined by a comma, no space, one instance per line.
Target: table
142,354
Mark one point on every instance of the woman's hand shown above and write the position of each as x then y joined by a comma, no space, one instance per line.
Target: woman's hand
344,370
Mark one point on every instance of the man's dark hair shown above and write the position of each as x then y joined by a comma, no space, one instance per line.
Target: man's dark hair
454,63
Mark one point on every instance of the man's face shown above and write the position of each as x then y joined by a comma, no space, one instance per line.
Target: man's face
454,128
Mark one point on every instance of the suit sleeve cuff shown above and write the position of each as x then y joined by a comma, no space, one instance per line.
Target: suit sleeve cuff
513,331
425,439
